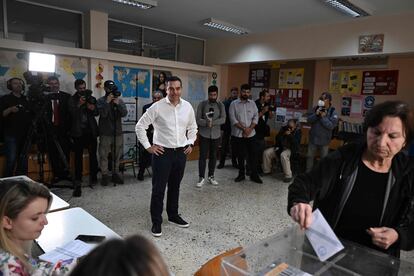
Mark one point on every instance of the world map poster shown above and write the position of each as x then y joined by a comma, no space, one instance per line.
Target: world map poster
133,82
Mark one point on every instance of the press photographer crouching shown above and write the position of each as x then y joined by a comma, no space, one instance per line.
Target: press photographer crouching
84,133
15,117
111,109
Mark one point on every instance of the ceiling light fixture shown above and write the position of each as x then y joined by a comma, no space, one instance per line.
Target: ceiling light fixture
124,40
142,4
224,26
347,7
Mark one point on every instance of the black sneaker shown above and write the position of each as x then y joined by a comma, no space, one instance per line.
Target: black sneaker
156,230
256,178
239,178
77,192
140,176
117,179
287,179
179,222
220,166
105,180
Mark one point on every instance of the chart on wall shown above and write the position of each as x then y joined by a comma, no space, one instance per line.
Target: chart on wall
133,82
345,82
291,78
68,69
380,82
197,89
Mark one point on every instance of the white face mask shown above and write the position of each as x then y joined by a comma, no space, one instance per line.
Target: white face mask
321,103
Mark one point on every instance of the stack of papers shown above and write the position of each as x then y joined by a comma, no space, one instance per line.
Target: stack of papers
322,237
71,250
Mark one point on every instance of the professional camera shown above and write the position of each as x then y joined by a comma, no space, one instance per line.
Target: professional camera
210,113
87,96
321,106
113,89
36,93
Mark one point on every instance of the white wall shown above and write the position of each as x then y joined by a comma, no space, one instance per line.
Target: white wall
322,41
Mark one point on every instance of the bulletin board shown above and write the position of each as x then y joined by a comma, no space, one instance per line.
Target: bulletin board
259,78
380,82
345,82
292,98
291,78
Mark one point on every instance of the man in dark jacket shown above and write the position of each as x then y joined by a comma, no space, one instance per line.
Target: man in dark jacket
84,132
111,109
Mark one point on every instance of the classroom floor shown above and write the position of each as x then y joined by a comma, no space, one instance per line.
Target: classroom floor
221,217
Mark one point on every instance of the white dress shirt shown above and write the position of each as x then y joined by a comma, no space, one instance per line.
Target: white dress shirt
174,126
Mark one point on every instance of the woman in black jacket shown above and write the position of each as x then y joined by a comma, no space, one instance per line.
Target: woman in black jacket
365,191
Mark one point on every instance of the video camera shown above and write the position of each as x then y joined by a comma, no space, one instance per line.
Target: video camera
38,92
87,96
113,89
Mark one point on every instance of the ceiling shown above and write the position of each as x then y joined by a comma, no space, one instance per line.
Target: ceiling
258,16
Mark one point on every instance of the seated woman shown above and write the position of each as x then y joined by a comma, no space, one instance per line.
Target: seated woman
286,147
365,191
133,256
23,208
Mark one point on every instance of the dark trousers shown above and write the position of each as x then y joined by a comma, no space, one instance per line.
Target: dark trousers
12,148
56,159
207,147
246,148
226,141
167,168
261,145
79,144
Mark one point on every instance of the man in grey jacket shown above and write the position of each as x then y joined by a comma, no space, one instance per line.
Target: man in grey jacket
323,120
211,114
111,109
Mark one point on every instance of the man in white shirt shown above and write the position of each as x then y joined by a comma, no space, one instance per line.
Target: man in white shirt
175,130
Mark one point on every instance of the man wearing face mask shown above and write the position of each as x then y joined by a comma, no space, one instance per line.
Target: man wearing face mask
211,114
323,120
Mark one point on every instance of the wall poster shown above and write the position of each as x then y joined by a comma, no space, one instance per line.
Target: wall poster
380,82
291,78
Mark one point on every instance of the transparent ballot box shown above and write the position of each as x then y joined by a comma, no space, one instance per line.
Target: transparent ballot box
290,254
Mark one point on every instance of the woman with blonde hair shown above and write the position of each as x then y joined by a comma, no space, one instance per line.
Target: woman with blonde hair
134,256
23,208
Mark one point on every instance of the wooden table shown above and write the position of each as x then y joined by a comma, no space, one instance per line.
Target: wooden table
65,225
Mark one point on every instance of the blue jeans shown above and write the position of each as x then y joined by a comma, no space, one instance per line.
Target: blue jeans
13,147
323,150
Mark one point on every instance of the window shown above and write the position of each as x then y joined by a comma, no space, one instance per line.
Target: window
43,24
124,38
159,44
190,50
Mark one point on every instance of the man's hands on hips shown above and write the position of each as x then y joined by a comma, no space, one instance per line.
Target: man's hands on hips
156,149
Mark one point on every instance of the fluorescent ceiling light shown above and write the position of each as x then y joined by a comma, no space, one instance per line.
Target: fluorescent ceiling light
142,4
42,62
124,40
347,7
224,26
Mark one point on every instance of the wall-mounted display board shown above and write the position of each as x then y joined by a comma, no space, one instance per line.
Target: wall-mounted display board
291,78
259,77
345,82
380,82
292,98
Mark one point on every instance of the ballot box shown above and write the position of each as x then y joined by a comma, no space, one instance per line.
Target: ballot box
290,254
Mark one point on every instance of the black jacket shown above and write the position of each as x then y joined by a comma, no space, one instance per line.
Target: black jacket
64,112
330,183
82,119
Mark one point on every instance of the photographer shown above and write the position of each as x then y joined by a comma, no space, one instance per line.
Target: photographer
84,132
262,128
15,118
211,114
322,121
59,118
286,147
111,109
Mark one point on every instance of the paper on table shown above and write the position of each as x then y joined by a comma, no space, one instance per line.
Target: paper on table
72,250
322,237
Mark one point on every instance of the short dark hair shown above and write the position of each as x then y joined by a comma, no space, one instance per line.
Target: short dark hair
263,93
245,86
175,78
52,78
212,88
79,82
234,88
398,109
135,255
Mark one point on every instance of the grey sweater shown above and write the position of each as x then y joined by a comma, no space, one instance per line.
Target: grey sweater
320,133
108,117
218,119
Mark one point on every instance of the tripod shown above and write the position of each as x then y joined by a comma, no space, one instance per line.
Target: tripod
41,131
